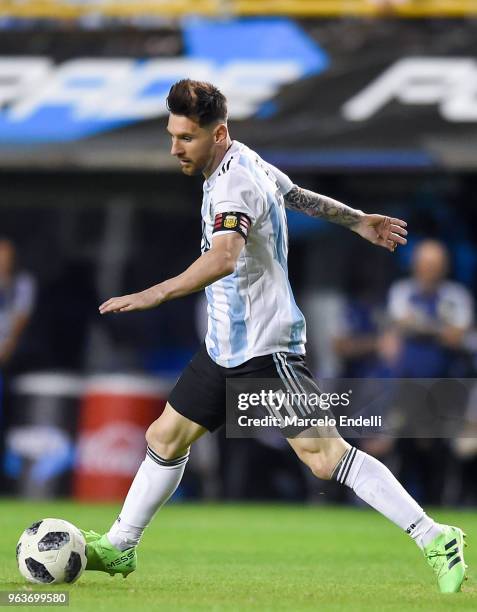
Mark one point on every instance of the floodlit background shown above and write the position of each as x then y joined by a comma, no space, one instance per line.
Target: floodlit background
372,102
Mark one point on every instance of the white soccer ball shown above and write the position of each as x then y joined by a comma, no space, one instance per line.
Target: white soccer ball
51,550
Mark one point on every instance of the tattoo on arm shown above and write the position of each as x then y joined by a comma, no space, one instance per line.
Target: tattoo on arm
323,207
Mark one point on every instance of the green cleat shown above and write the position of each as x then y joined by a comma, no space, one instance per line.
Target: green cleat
445,554
102,556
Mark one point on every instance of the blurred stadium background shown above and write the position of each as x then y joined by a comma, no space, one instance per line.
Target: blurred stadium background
372,102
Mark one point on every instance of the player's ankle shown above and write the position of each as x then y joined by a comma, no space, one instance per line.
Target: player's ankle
435,530
424,530
123,536
122,544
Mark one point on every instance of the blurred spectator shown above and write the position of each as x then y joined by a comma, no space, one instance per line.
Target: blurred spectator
431,316
17,294
361,319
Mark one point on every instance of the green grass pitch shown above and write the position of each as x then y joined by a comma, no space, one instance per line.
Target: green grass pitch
252,557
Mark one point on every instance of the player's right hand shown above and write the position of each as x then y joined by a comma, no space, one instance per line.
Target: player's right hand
128,303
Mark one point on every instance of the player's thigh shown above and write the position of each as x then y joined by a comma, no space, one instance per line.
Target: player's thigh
172,433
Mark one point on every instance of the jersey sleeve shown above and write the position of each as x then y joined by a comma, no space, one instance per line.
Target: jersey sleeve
284,182
237,202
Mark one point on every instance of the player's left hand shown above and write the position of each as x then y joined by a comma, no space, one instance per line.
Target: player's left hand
383,231
128,303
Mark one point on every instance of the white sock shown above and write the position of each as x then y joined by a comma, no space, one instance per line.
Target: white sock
375,484
155,482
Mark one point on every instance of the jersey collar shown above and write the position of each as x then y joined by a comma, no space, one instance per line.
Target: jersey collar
209,183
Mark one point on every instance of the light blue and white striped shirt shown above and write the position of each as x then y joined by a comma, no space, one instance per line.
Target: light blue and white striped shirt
251,312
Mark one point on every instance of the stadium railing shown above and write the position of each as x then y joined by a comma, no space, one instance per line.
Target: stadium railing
73,9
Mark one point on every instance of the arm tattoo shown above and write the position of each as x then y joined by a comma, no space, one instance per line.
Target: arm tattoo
316,205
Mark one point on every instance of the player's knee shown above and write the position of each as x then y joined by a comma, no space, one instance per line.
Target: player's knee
163,440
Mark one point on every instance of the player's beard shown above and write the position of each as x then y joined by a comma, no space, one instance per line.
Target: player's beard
188,169
191,169
196,167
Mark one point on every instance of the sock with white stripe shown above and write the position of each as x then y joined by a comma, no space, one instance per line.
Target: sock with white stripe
375,484
154,483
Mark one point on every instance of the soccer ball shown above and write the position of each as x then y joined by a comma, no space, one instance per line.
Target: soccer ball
51,550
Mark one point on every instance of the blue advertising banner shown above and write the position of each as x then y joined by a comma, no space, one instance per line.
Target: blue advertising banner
306,95
47,101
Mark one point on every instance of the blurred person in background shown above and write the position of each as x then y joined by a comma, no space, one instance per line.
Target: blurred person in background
17,296
431,317
361,317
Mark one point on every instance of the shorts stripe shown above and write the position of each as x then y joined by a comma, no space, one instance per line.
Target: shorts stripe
297,384
295,387
287,381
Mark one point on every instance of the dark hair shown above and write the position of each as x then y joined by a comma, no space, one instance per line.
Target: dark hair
197,100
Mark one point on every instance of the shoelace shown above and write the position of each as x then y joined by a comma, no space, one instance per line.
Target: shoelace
435,553
434,559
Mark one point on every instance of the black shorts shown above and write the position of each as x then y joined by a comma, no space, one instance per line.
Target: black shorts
200,392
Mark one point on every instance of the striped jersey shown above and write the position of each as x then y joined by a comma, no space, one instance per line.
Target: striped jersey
252,311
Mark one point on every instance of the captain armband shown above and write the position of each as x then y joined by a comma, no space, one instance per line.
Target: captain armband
232,221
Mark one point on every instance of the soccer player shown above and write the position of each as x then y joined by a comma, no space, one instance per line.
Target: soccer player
255,330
